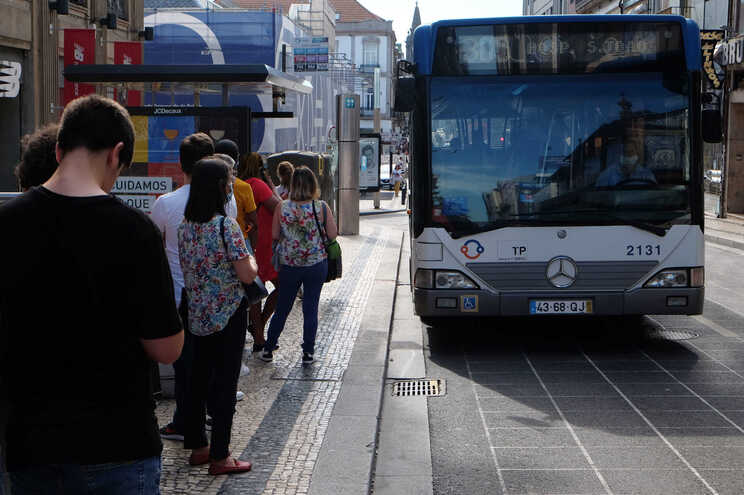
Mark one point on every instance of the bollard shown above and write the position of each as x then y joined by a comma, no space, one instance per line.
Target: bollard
347,125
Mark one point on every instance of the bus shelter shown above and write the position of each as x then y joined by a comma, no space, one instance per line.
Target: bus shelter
169,102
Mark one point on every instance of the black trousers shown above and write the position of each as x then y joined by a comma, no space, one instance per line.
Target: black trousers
215,371
182,368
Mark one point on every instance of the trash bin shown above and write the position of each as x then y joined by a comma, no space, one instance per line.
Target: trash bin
319,163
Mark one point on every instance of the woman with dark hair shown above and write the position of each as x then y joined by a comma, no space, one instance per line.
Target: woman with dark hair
215,261
284,172
251,170
301,224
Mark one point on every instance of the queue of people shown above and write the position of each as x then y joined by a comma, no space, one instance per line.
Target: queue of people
127,289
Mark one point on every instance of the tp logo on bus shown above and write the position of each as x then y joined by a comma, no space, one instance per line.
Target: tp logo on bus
472,249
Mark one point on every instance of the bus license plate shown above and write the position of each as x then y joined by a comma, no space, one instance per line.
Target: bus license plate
560,306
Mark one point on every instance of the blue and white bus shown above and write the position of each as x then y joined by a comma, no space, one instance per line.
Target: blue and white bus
556,166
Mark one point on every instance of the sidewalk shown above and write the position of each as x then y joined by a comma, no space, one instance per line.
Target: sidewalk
311,429
388,204
727,231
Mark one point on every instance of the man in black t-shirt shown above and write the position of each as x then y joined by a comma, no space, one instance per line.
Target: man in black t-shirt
86,300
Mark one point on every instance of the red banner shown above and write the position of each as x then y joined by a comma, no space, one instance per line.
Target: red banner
80,49
129,53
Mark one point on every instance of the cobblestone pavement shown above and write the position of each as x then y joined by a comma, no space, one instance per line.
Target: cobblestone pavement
281,423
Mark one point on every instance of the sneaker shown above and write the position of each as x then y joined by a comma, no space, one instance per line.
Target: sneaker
239,396
244,371
171,433
307,358
267,356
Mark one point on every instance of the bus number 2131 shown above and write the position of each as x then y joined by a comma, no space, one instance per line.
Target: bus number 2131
643,250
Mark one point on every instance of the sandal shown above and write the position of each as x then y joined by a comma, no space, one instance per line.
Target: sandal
237,467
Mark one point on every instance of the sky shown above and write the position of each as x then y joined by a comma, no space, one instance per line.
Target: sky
401,11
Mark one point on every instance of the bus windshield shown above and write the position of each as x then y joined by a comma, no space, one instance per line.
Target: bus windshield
587,149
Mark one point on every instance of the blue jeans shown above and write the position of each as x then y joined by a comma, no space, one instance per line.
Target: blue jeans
141,477
311,278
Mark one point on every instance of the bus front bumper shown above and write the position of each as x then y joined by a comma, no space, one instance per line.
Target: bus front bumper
443,303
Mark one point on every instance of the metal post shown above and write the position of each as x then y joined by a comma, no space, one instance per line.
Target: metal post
225,94
722,200
347,127
377,125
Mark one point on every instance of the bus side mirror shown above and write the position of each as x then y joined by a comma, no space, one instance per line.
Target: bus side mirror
711,118
405,94
711,126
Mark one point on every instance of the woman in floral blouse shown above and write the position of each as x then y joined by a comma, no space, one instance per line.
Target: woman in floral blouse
215,261
302,258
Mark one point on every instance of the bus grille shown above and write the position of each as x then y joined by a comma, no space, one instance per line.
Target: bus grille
592,275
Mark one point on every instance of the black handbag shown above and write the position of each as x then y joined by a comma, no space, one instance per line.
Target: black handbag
333,250
256,290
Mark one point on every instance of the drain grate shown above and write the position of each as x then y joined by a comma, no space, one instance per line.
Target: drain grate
672,335
410,388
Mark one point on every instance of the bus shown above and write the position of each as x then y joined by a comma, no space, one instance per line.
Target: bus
556,166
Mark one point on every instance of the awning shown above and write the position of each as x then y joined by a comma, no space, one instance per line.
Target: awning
252,73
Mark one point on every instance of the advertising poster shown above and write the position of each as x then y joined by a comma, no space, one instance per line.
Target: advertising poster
369,167
80,49
311,55
129,53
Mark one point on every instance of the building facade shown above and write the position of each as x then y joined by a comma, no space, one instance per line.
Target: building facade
548,7
416,22
370,44
31,61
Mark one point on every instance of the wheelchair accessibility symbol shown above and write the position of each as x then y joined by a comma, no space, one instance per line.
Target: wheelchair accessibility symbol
469,304
472,249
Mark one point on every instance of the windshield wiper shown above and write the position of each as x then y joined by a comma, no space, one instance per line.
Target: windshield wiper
655,229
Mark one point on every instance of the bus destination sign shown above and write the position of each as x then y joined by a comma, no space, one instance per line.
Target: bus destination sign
549,48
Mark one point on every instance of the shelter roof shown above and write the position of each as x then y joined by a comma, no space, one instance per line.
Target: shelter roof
251,73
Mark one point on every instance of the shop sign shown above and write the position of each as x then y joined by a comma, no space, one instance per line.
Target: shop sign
730,52
10,79
144,203
311,54
80,49
708,40
143,185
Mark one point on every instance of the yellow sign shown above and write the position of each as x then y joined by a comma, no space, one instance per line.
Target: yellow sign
708,40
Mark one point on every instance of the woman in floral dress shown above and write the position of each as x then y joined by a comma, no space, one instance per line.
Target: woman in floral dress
215,261
302,258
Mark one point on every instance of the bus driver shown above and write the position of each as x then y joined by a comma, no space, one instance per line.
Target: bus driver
629,170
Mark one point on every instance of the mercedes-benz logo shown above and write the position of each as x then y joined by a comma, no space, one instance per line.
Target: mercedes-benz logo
561,272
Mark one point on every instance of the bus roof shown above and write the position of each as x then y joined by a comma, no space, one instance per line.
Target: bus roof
425,35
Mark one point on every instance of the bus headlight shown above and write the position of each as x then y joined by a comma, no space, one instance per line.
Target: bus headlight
442,279
668,278
453,280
